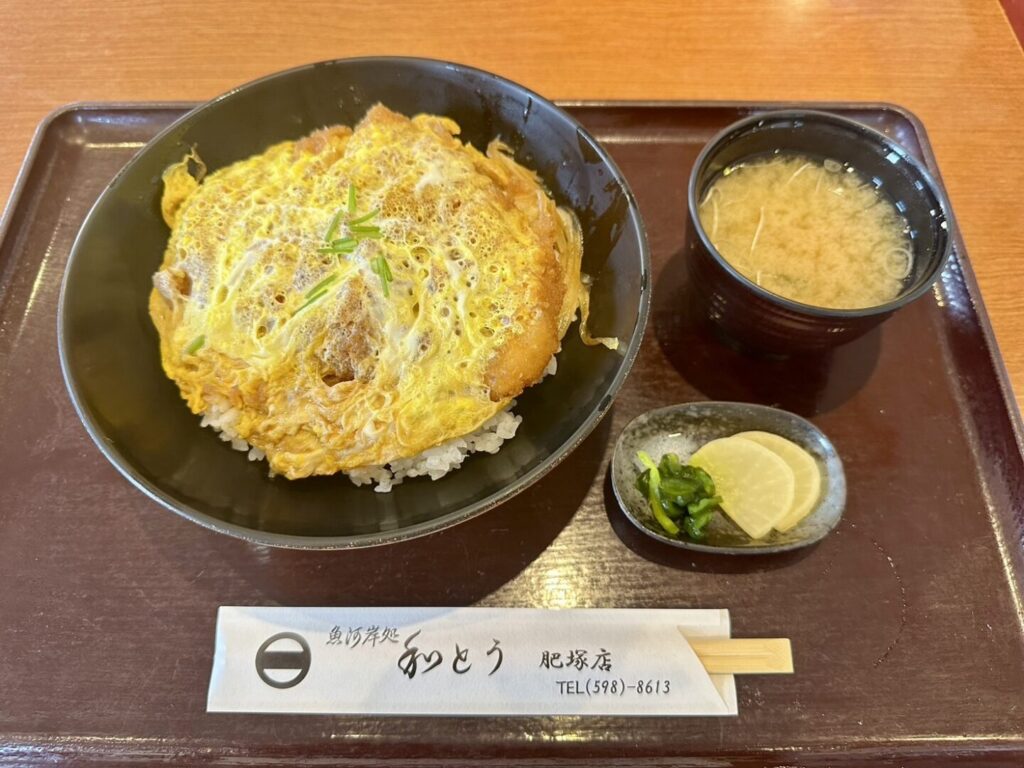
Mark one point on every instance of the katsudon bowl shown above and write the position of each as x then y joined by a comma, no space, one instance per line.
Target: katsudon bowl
109,348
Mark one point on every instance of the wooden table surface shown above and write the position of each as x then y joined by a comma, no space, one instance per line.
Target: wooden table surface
956,65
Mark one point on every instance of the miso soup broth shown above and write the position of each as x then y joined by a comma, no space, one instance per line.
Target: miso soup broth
813,231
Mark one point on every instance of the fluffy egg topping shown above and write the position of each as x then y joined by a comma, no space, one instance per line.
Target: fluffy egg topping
359,296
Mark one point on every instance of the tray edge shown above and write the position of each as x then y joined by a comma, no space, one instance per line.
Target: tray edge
42,130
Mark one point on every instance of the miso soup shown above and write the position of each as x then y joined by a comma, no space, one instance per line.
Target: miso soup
810,230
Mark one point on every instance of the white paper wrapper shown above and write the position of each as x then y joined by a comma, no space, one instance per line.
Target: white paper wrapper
466,661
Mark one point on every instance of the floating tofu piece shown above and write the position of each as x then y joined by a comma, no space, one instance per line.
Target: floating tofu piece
756,486
806,475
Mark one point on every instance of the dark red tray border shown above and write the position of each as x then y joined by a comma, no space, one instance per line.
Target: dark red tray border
989,384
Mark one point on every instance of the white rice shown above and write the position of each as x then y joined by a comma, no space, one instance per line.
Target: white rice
435,462
441,459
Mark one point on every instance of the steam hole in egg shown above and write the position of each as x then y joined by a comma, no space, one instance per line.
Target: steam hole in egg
182,283
333,378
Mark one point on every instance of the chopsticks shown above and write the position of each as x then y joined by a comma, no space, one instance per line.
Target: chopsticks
743,656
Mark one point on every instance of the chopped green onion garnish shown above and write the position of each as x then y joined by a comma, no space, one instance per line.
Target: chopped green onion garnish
322,284
380,267
365,230
196,345
346,245
311,300
358,231
334,226
365,217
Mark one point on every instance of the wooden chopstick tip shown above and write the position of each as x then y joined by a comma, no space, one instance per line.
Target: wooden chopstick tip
743,656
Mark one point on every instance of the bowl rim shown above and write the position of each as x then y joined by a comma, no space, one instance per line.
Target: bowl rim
867,133
834,464
377,538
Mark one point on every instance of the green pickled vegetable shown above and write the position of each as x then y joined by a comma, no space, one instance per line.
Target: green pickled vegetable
654,494
681,498
699,507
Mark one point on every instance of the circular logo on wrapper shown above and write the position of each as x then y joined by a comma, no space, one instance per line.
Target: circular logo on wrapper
283,660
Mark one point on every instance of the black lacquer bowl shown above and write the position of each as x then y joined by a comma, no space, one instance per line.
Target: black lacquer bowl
759,319
109,347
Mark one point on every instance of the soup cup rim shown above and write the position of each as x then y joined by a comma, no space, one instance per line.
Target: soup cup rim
761,120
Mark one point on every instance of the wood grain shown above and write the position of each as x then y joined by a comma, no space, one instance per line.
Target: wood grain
955,64
744,655
107,627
